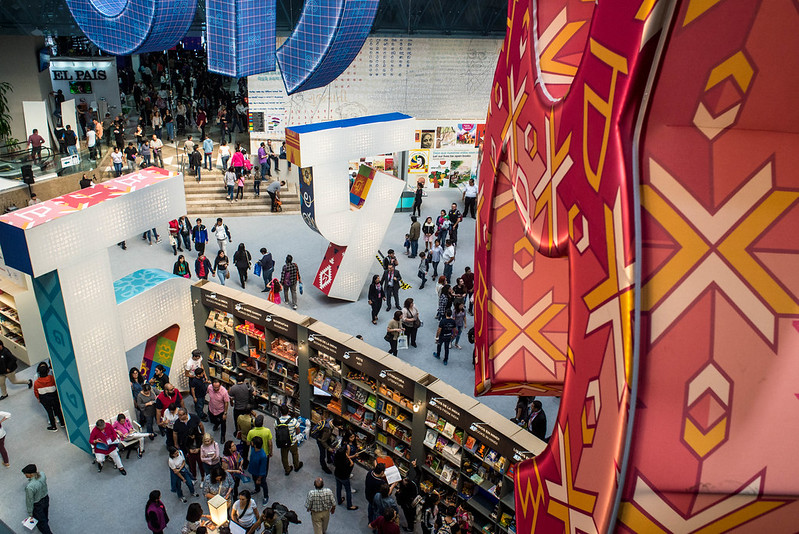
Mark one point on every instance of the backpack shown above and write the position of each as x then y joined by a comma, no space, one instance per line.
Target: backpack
316,430
282,435
285,515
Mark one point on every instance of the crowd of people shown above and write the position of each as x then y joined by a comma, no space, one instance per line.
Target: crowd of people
454,301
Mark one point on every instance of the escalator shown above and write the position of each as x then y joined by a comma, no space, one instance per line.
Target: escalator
16,155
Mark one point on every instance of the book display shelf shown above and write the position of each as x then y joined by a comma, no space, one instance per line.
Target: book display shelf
242,338
20,322
398,412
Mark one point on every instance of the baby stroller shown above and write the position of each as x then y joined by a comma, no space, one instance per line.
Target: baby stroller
181,123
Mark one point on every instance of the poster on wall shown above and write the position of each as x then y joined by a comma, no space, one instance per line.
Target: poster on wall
465,134
159,350
418,161
446,136
427,139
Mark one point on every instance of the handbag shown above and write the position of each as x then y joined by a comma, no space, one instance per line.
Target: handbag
300,284
227,274
389,337
417,323
257,270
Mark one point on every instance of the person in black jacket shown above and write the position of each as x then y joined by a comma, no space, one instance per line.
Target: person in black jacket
376,297
242,259
196,161
537,424
267,268
409,497
392,279
8,365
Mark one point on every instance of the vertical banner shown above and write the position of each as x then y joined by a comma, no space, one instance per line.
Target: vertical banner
307,198
36,118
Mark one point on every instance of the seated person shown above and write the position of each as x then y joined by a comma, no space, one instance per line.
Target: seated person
104,442
125,431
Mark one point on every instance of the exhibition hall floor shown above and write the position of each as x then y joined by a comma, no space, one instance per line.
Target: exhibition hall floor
80,497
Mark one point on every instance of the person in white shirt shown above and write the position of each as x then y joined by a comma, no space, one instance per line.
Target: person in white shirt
448,257
116,159
195,362
222,234
469,198
91,143
155,146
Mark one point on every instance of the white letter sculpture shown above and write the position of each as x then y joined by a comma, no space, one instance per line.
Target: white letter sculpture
355,230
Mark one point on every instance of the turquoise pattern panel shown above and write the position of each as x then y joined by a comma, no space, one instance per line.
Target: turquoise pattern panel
62,356
138,282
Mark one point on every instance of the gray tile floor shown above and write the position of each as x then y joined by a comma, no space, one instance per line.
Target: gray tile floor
83,500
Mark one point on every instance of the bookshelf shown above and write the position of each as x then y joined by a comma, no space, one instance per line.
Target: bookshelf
398,412
20,323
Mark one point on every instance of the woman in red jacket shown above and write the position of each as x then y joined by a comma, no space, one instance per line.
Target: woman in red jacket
47,394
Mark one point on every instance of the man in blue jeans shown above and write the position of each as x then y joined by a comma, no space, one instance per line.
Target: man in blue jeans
198,385
444,335
448,257
208,150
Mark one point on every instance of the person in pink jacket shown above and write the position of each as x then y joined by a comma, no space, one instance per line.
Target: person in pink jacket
104,441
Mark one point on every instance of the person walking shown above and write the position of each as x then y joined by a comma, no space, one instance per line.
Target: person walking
242,260
156,146
155,513
424,268
413,236
224,154
37,500
321,504
286,430
117,159
290,277
230,183
199,234
410,321
222,234
196,161
8,367
391,280
184,231
376,297
46,393
259,466
221,266
208,153
267,268
218,405
179,473
444,335
203,267
3,418
417,200
393,331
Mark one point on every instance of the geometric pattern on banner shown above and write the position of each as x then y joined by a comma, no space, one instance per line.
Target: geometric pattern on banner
241,36
326,40
122,27
47,289
138,282
160,350
329,268
652,145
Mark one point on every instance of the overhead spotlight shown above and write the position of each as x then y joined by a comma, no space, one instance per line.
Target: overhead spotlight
346,355
311,338
473,426
212,295
268,319
237,307
434,400
416,407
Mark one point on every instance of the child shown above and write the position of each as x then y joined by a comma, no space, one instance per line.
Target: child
274,291
258,467
424,267
407,244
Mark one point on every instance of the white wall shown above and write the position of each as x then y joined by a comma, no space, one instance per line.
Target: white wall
101,73
422,77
